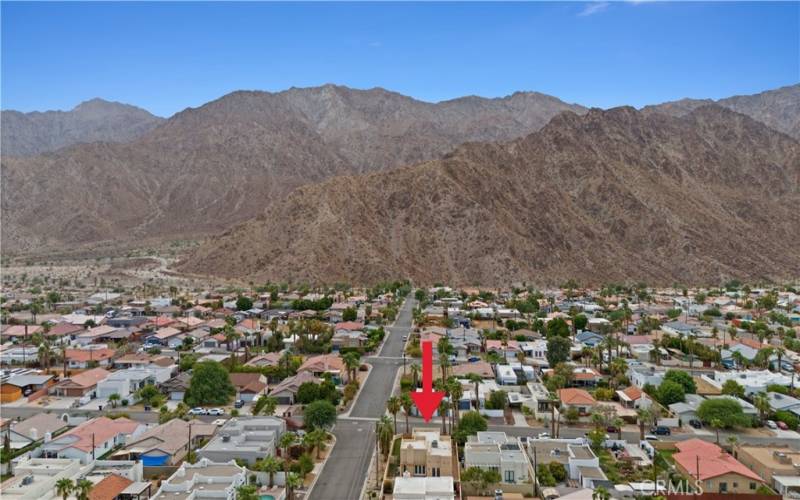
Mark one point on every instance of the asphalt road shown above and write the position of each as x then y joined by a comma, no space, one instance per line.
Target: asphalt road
344,473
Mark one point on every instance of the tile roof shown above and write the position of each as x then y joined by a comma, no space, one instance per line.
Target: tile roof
103,429
708,460
81,355
109,488
322,363
89,377
61,329
573,396
248,382
349,325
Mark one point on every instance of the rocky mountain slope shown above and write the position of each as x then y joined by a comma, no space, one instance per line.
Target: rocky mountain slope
611,195
205,169
778,109
28,134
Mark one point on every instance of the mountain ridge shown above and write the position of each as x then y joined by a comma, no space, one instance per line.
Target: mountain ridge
443,221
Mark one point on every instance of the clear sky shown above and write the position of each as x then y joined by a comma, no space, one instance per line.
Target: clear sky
165,57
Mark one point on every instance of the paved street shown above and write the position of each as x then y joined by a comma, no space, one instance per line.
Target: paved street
346,470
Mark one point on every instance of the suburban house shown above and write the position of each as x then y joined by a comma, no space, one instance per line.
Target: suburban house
769,461
267,359
204,480
423,488
244,438
286,390
318,366
248,385
80,384
589,338
176,387
41,426
30,382
783,402
719,471
92,439
127,382
494,450
634,398
89,357
166,444
427,453
578,399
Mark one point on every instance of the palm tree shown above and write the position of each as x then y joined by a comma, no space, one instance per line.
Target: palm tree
414,374
316,439
285,442
64,487
618,423
732,442
600,493
761,402
643,415
64,358
83,488
270,465
44,354
293,481
407,403
393,405
443,407
456,391
780,353
113,399
716,424
352,360
476,379
385,436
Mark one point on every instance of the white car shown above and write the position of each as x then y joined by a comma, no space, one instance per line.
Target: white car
197,411
216,411
651,437
544,435
771,424
219,422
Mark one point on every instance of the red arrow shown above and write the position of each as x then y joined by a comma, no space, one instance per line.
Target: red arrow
428,400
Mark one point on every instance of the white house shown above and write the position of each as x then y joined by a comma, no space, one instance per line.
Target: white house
494,450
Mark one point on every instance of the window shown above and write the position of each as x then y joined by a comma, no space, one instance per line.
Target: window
419,470
509,476
723,487
752,486
435,472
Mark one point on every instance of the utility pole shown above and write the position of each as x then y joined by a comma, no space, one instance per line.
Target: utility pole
377,457
535,472
93,447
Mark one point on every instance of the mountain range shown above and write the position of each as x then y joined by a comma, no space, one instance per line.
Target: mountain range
333,184
28,134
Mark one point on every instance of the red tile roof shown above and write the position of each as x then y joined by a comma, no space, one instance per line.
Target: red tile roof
103,429
109,488
707,460
82,355
574,396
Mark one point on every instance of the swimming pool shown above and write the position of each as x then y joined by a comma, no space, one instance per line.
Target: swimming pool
266,497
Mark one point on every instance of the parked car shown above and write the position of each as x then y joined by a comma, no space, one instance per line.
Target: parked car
651,437
782,425
612,429
219,422
239,403
771,424
544,435
696,423
661,430
197,411
215,412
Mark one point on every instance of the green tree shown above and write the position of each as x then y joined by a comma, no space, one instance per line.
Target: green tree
393,405
683,378
244,303
247,492
210,385
733,388
761,402
320,414
148,394
558,471
286,441
670,392
114,399
470,424
307,393
580,321
352,361
407,403
557,327
558,349
82,489
269,465
293,481
728,411
349,314
571,415
316,440
64,487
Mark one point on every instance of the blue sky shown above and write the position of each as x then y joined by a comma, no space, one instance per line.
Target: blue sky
166,57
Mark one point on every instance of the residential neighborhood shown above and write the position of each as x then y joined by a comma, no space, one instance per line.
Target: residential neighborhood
559,393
